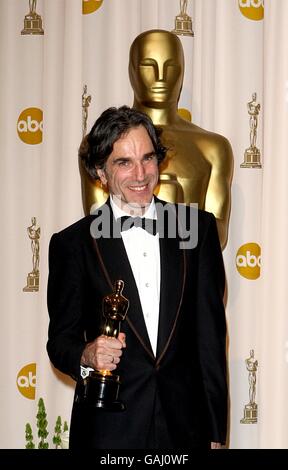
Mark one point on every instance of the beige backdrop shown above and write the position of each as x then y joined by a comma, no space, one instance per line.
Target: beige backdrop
235,52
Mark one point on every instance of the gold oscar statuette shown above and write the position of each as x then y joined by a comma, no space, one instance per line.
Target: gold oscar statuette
86,100
251,409
252,154
183,22
32,21
33,276
101,387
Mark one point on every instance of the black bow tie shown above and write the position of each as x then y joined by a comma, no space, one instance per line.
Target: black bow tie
127,222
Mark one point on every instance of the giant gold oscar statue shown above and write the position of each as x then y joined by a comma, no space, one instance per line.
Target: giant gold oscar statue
199,163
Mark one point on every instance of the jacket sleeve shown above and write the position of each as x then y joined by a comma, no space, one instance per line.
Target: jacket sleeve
211,329
65,293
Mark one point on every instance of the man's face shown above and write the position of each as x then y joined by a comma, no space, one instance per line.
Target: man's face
131,170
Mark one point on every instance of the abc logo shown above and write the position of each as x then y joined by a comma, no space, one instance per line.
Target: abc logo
252,9
89,6
248,260
26,381
30,126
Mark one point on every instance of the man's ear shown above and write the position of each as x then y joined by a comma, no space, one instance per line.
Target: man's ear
102,176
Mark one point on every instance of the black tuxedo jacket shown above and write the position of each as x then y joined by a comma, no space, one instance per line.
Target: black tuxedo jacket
177,399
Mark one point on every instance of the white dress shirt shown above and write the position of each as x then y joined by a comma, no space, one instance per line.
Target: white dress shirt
143,253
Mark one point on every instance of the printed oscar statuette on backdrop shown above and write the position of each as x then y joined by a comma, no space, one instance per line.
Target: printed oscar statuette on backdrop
86,100
32,21
101,387
183,22
251,409
33,276
252,154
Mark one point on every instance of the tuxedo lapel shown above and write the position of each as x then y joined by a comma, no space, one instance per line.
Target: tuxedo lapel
115,265
173,274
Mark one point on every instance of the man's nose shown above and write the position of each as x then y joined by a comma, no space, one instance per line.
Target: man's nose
139,171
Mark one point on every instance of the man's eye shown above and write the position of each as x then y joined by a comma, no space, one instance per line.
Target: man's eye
149,158
123,163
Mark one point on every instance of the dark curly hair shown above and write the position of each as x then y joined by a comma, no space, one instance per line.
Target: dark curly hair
112,124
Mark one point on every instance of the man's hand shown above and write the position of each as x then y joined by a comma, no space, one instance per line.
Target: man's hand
216,445
104,352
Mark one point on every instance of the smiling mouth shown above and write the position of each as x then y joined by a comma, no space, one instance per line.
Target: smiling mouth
138,188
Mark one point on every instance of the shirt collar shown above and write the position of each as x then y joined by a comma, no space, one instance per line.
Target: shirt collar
150,212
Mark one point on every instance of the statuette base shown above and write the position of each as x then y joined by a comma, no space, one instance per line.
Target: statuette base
251,158
32,25
183,26
250,414
102,392
32,282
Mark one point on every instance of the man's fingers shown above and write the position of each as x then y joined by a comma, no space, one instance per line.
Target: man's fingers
104,361
104,352
122,339
110,343
109,352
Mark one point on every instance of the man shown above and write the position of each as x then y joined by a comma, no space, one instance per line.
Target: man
170,354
